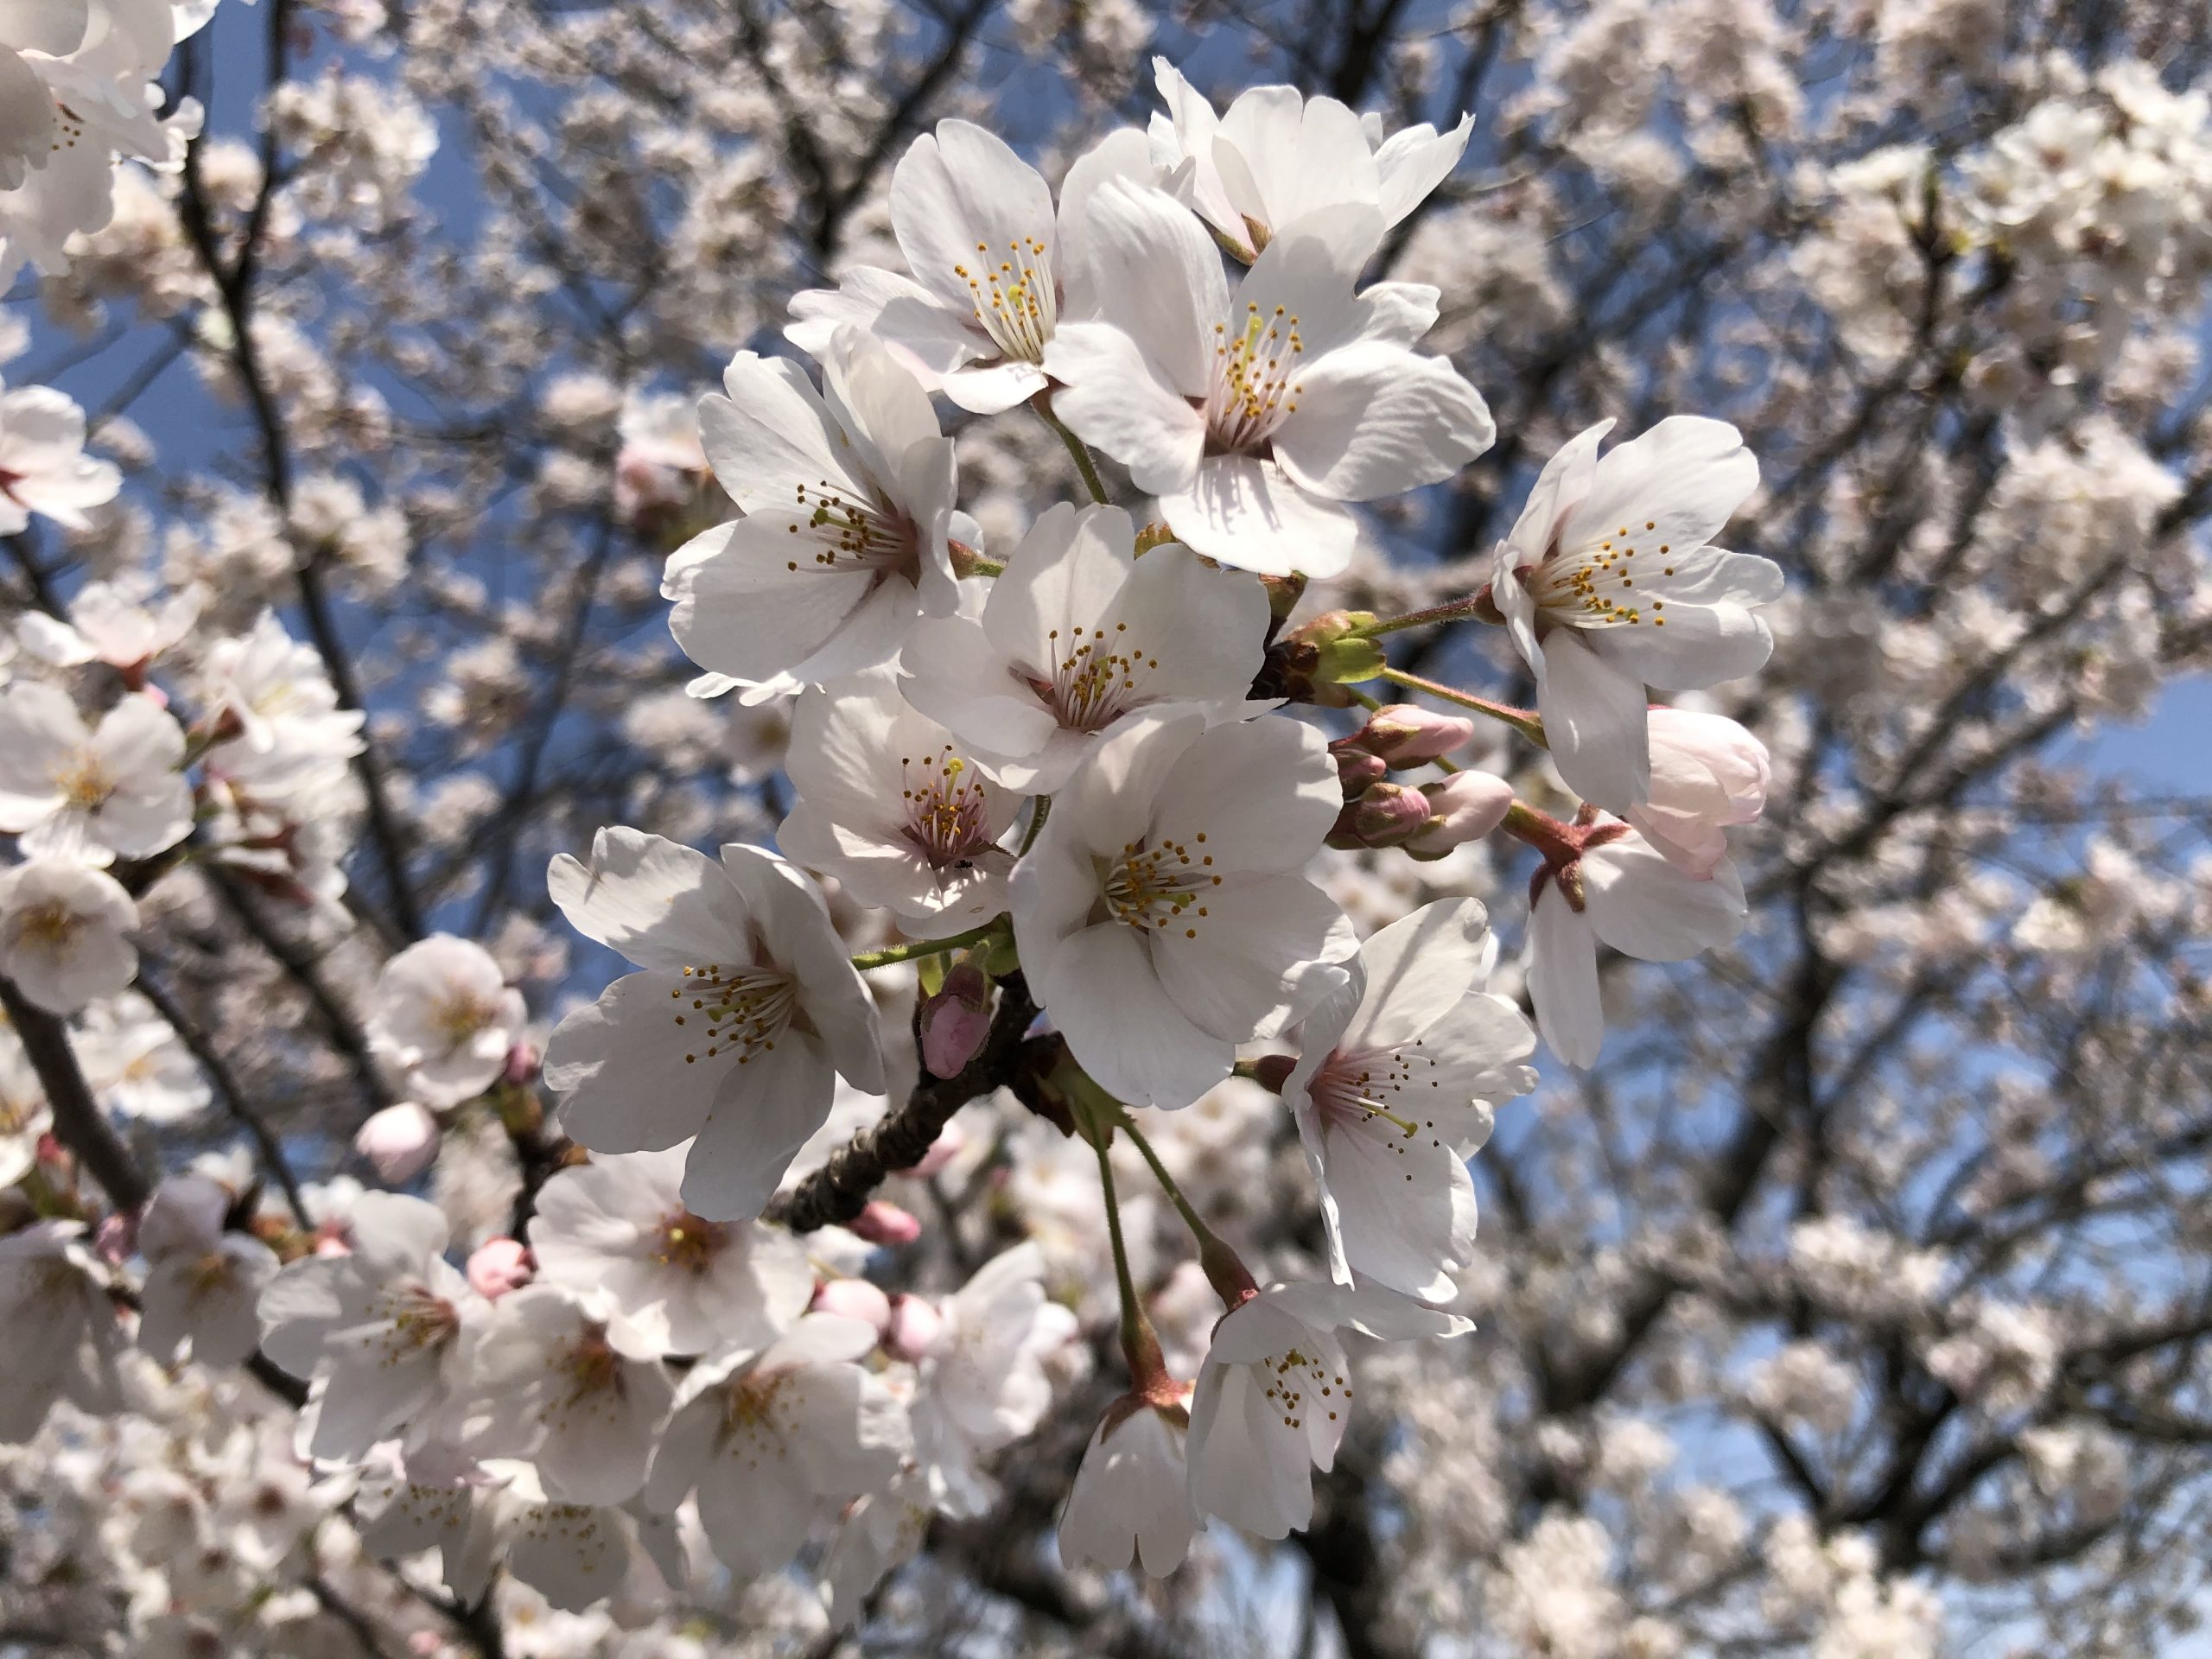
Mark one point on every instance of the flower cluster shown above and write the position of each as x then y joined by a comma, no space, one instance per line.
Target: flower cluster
1082,784
1066,768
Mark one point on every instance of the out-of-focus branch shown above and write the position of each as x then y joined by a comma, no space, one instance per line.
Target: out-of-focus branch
269,1149
346,1031
234,282
79,1124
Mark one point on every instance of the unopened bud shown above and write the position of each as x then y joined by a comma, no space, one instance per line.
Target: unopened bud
1382,817
855,1299
1406,735
956,1021
883,1223
1283,595
497,1266
1357,769
400,1141
913,1328
522,1065
1346,655
1465,807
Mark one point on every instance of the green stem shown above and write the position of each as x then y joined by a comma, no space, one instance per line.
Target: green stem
1084,464
1371,704
889,953
1475,605
1139,1347
1519,719
1225,1269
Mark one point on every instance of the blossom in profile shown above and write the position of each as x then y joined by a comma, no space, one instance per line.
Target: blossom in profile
1625,892
1274,1397
1132,1493
1708,775
1609,583
1276,156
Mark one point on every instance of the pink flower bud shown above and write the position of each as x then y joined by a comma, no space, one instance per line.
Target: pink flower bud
1356,768
1465,807
956,1020
881,1222
1383,816
499,1266
914,1325
1403,734
949,1143
1707,773
855,1299
401,1141
522,1065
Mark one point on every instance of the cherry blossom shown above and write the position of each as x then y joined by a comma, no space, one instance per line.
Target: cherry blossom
1256,416
980,1384
1708,774
547,1384
1595,627
1274,157
381,1326
1393,1087
1274,1397
1163,915
111,623
89,793
846,497
991,265
55,1296
204,1281
446,1018
1131,1497
50,31
765,1436
293,734
672,1283
65,933
44,467
1079,636
733,1035
1625,892
891,803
